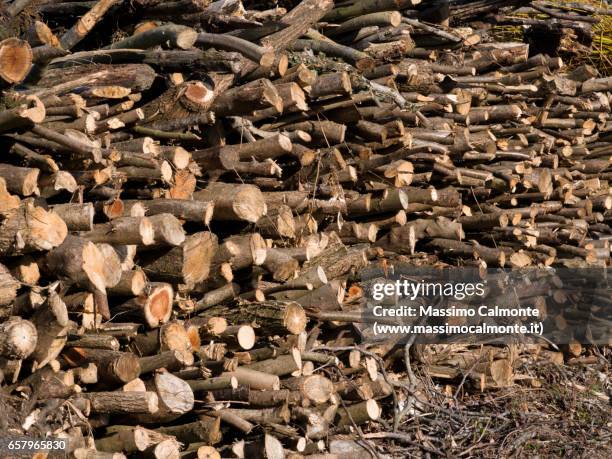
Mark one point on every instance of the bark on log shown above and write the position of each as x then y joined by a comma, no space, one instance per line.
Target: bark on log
114,367
234,202
188,264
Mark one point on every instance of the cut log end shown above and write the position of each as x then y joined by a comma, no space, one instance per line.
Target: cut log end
249,205
147,231
197,93
18,339
246,337
167,229
208,452
158,305
198,252
47,229
15,60
127,368
267,59
373,409
295,319
185,39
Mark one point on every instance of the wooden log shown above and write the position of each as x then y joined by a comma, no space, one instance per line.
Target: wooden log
258,54
78,261
171,35
170,360
180,102
175,398
167,230
114,367
183,209
359,59
49,383
18,338
369,6
234,202
131,283
8,201
27,111
123,231
275,317
295,24
39,34
277,415
282,266
281,366
8,286
153,306
243,100
278,223
219,382
51,321
80,30
316,388
94,342
85,453
128,439
254,379
168,448
29,228
206,429
16,58
189,264
78,217
122,403
337,83
358,414
170,336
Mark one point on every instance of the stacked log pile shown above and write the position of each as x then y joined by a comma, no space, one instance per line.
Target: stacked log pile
188,188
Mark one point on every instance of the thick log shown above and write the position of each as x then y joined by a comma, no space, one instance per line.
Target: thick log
123,231
8,286
122,403
358,414
281,366
18,338
8,201
188,264
29,228
78,261
191,211
234,202
243,100
183,101
175,398
206,430
167,230
170,336
114,367
78,217
27,111
170,360
153,306
129,439
131,283
16,59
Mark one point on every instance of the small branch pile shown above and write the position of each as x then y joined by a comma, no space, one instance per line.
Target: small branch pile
187,190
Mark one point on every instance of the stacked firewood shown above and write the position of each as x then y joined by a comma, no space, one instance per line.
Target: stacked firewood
188,189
